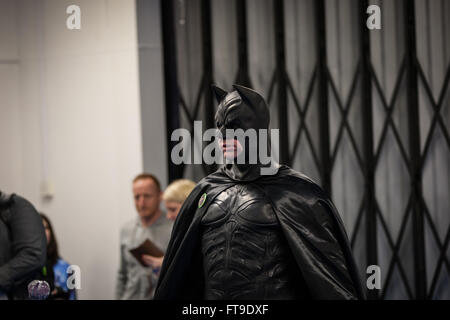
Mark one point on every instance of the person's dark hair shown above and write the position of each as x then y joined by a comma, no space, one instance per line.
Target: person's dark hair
144,175
52,246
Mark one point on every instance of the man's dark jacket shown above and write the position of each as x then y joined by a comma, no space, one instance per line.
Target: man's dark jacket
22,245
308,219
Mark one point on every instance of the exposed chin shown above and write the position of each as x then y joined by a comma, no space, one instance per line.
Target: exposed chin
231,149
145,214
230,154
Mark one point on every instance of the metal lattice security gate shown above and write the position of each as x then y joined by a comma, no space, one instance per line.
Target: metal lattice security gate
365,113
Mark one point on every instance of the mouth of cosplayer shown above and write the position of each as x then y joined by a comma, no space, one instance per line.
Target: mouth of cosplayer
230,147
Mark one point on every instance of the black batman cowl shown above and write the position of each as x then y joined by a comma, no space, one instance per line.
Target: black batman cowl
244,108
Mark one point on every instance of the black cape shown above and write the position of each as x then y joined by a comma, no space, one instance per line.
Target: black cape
308,219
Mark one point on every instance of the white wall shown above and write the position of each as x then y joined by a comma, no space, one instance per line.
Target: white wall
152,88
69,114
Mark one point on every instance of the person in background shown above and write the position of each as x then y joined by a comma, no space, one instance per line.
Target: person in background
22,246
56,266
134,280
174,196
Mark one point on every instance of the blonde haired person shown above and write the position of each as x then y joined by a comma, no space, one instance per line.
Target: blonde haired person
175,194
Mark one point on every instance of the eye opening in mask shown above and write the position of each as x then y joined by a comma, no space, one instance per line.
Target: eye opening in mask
232,123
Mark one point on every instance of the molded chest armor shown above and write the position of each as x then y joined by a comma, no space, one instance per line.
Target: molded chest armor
245,255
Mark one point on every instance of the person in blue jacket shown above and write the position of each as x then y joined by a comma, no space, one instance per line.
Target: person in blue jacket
56,265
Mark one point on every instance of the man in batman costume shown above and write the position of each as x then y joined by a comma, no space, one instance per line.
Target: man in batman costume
244,235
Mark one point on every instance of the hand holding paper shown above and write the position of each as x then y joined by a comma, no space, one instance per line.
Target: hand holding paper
151,261
148,249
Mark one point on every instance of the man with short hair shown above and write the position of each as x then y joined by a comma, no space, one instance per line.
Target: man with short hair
136,281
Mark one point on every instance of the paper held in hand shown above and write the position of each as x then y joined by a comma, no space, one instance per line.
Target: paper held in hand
147,247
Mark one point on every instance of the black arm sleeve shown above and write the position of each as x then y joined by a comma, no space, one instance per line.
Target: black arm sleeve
28,243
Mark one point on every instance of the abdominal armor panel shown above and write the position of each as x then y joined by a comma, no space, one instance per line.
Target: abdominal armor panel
245,255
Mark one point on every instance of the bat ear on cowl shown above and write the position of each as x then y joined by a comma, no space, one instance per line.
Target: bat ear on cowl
251,95
256,102
219,93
